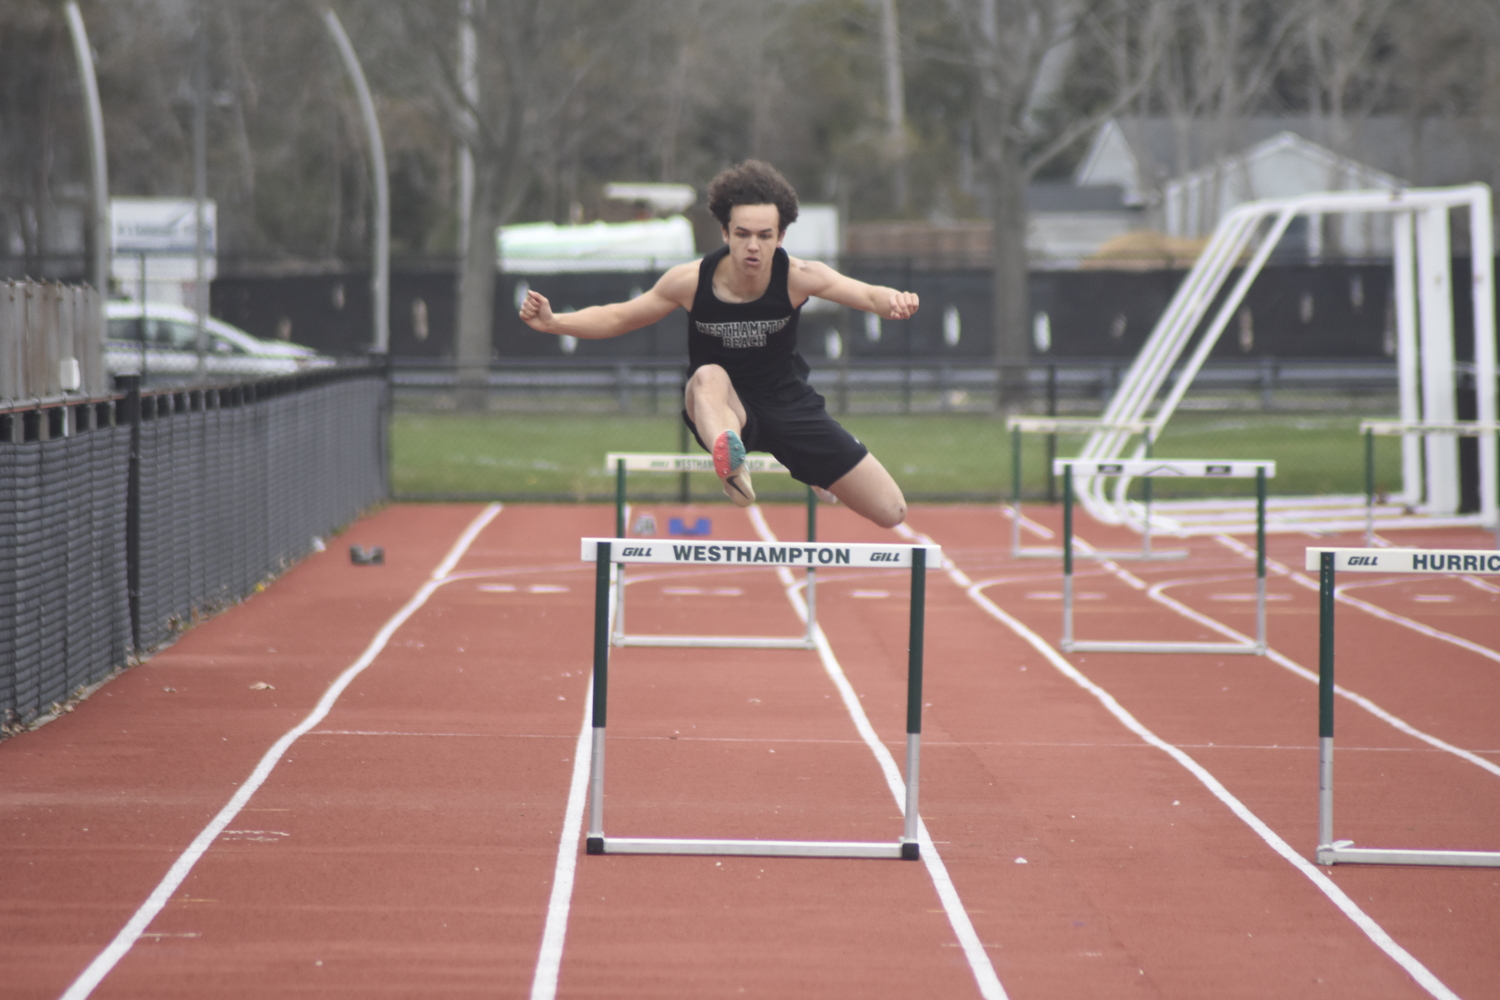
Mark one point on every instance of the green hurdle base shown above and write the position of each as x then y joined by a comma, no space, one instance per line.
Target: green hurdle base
908,848
1337,852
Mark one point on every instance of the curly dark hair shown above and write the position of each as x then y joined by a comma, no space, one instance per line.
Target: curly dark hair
752,183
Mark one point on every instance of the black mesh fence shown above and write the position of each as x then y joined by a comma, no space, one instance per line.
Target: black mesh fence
108,551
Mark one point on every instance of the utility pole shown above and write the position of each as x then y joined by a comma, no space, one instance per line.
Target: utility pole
200,187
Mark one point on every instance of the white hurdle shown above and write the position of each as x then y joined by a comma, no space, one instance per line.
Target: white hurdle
1412,435
1326,562
622,462
1053,426
607,553
1260,471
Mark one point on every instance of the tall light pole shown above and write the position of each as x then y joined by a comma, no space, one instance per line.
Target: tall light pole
94,115
381,284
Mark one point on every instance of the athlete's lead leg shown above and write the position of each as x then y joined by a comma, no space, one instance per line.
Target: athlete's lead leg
716,410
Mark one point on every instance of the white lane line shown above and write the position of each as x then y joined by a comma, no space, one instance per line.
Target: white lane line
1280,659
1408,962
1365,703
1309,583
963,928
555,932
107,959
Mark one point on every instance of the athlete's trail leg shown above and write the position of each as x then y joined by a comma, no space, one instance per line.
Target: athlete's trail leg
714,406
869,491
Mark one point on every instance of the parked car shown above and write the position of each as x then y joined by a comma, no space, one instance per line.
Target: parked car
159,342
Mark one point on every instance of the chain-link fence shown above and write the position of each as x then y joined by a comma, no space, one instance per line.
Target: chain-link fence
125,518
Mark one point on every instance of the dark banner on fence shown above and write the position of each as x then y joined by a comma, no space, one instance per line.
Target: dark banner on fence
123,519
1292,311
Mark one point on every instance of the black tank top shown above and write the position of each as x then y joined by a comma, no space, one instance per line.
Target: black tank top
755,342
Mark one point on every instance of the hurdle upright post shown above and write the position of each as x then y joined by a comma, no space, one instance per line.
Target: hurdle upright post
910,845
602,564
1067,636
618,571
810,594
1260,560
1146,495
1369,486
1325,704
1015,488
620,498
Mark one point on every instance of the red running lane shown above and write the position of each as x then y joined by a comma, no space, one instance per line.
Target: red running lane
408,843
99,803
1253,725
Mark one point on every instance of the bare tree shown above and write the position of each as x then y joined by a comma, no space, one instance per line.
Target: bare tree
1018,51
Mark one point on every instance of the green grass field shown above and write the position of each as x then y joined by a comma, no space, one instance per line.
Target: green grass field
933,457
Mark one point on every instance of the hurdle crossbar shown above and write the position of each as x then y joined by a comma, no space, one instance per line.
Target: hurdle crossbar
1327,562
609,552
1052,426
1372,429
622,462
1175,468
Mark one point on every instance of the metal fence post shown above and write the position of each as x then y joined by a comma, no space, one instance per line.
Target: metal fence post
131,386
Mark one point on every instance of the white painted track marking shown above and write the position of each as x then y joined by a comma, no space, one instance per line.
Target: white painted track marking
555,932
1377,934
136,926
549,958
1389,718
983,970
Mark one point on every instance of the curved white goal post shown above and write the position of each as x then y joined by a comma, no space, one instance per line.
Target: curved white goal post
1423,286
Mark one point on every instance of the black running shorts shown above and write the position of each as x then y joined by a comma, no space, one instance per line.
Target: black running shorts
791,422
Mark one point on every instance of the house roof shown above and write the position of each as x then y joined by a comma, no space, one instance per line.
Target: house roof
1287,164
1143,153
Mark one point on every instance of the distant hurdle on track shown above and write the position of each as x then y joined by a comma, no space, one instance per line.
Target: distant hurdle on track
1019,426
1260,471
1420,561
607,553
1371,429
621,463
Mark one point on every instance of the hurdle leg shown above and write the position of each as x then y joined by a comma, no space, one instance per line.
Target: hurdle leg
1260,561
1067,636
1369,488
1146,492
811,592
618,570
618,637
595,838
1325,709
910,845
620,512
1015,492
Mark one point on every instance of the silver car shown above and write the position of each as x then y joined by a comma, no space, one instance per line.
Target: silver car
159,342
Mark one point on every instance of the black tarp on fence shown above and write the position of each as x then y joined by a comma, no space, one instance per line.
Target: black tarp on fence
228,486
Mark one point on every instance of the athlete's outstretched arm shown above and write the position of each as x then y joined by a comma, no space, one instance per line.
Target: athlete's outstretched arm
673,289
811,277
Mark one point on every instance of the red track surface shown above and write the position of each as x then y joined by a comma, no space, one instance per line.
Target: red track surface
406,845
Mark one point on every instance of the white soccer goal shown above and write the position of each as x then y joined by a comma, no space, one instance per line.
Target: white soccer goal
1423,294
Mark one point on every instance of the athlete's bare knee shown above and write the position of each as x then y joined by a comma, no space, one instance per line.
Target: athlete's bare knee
890,515
707,377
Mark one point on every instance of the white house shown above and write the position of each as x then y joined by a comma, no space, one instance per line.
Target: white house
1185,174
